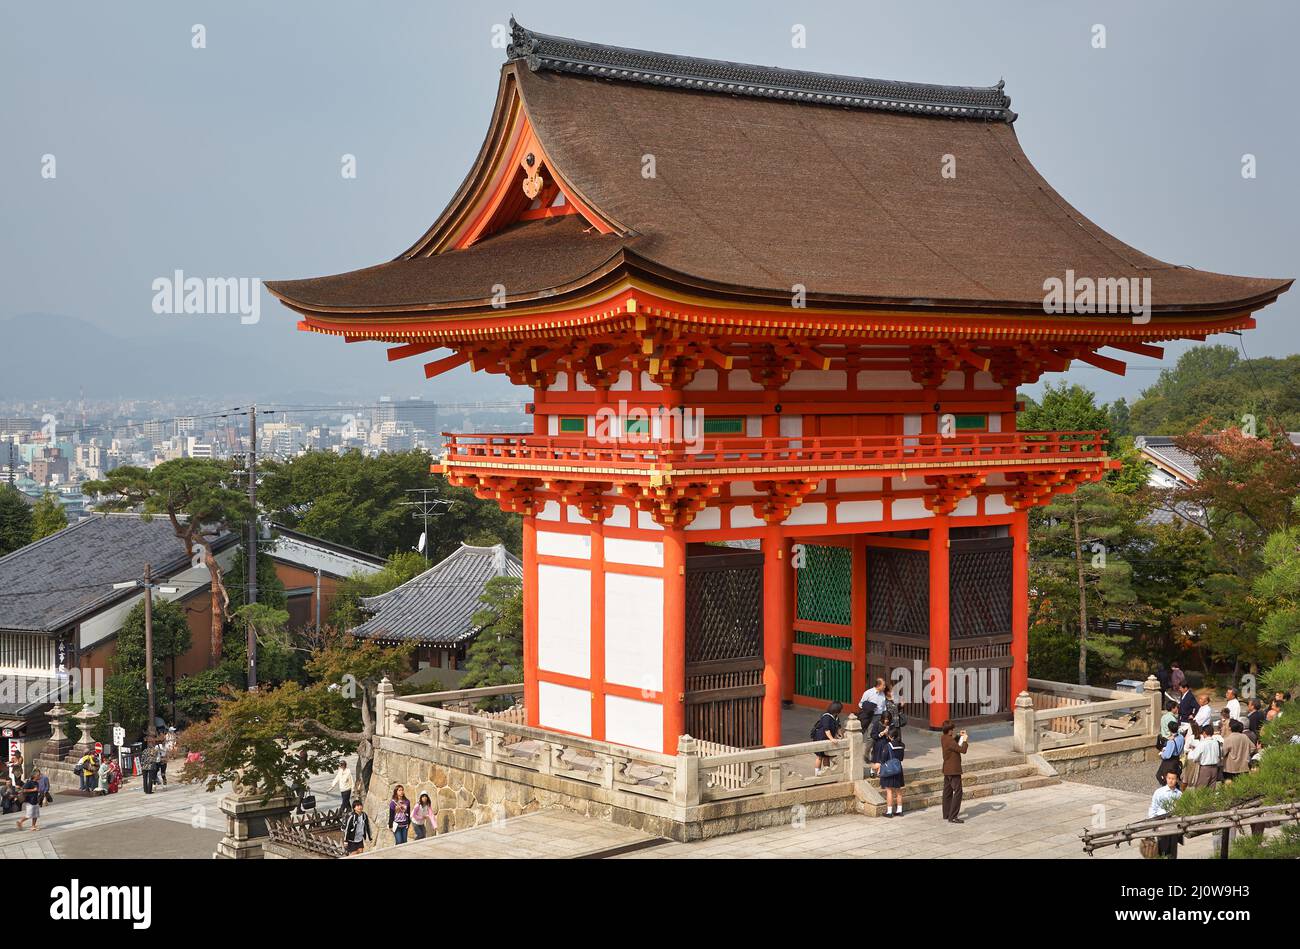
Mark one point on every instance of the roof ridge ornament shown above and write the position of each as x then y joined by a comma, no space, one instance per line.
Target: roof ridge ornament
560,54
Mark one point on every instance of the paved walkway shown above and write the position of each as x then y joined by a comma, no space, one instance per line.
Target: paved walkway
547,834
1043,823
129,824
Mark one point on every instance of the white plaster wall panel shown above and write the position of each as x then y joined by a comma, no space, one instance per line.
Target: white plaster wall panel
580,383
803,380
619,516
550,511
635,724
967,507
851,485
552,425
565,708
555,544
984,380
954,380
645,522
709,519
644,553
743,489
634,631
706,380
886,379
997,504
906,509
821,487
648,384
997,477
624,383
855,512
791,426
810,512
995,422
564,620
754,426
742,515
561,381
911,425
574,516
738,380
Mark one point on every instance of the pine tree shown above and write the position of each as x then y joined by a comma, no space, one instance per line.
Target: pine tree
15,520
496,656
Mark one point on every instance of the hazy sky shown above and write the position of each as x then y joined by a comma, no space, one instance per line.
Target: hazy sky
225,161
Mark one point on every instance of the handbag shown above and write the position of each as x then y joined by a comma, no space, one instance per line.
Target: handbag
891,767
1149,848
308,802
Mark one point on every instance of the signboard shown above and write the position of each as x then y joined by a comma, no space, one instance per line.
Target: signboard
99,748
119,735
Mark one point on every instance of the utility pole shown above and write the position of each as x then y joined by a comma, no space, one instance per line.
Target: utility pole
149,586
425,508
252,544
148,649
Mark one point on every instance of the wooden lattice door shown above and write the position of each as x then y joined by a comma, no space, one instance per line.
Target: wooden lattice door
724,646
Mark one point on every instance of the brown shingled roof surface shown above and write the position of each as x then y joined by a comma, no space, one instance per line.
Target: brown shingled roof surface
526,259
758,195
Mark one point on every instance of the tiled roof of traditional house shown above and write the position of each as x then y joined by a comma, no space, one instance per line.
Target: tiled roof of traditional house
69,575
1162,452
438,606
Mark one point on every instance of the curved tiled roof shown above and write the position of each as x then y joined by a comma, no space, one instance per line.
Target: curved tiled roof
438,606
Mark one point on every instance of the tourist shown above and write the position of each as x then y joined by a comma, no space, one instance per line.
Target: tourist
104,773
1176,677
356,829
891,707
1191,751
1171,756
86,770
114,776
1162,803
1162,733
953,749
160,756
890,769
343,783
10,799
399,815
422,816
31,803
1255,720
1204,713
16,765
872,705
1232,704
1237,751
1207,755
43,796
880,740
1186,703
828,729
148,767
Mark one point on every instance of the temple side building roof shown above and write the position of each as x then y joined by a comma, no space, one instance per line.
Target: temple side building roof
438,606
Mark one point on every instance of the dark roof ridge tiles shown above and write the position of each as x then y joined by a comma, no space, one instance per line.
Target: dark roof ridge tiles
561,54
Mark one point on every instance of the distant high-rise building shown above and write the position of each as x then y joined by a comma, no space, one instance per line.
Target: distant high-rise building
422,415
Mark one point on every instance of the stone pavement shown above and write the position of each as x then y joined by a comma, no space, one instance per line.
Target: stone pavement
548,833
1043,823
129,823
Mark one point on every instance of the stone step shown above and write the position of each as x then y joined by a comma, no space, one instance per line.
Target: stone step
970,779
969,768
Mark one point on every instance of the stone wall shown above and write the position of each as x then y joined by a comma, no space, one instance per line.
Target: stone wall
1111,754
467,792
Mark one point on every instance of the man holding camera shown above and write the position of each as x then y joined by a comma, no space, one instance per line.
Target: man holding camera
953,748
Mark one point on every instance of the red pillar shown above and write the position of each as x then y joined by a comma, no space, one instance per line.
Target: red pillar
939,615
789,586
674,695
1019,605
598,631
775,612
530,620
858,612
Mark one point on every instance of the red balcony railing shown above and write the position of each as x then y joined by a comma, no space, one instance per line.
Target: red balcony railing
640,456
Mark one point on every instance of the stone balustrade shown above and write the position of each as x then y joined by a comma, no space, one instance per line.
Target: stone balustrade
1058,715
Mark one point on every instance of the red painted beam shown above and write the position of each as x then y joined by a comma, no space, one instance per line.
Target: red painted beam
1141,349
439,366
412,349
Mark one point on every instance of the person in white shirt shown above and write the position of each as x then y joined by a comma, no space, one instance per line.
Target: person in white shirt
1204,714
1233,704
1207,755
876,696
1162,803
343,783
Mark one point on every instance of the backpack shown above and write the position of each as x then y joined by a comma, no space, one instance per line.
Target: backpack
817,729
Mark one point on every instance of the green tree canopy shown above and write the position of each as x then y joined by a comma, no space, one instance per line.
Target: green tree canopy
1216,385
496,657
48,516
15,520
125,698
